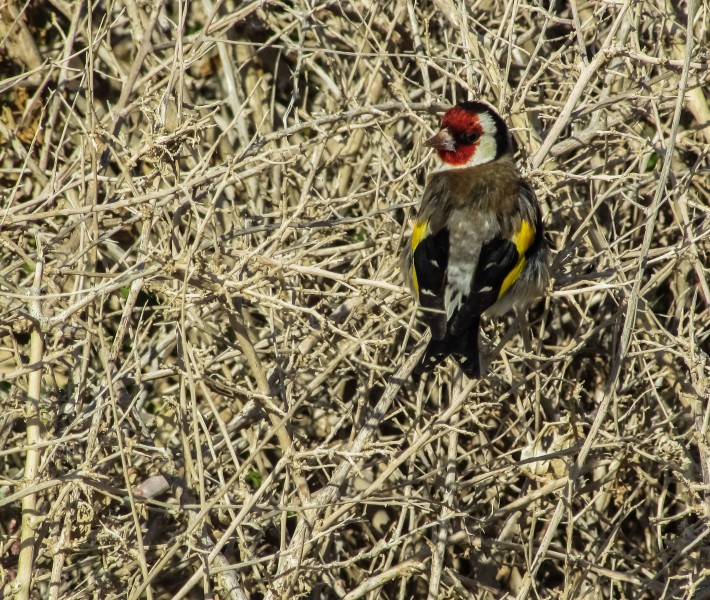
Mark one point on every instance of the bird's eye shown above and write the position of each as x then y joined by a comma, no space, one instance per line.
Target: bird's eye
467,138
471,138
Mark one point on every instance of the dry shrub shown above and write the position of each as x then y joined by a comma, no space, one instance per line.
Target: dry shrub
207,343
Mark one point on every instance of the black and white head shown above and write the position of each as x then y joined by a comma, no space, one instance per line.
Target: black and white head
471,134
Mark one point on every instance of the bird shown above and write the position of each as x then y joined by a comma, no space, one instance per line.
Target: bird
477,246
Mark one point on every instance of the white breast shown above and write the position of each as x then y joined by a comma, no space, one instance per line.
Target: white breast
467,234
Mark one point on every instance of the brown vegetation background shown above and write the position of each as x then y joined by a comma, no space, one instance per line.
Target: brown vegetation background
206,344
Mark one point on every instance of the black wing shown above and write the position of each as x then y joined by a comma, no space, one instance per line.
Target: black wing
430,258
497,259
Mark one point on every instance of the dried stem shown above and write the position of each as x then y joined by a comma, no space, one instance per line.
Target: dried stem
30,516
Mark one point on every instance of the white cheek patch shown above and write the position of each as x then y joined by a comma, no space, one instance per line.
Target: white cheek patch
486,151
488,124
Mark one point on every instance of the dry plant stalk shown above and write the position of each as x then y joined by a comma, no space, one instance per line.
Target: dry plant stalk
207,347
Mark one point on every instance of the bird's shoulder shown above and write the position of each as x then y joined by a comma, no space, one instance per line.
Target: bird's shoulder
492,186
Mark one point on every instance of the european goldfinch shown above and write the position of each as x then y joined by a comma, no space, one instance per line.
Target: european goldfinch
477,244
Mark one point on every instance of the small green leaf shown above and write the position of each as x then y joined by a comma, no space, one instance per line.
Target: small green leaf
254,479
652,162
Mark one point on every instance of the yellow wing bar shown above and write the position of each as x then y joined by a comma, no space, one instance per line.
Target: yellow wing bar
523,239
418,234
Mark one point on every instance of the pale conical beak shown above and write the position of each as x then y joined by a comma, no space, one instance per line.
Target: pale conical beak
441,141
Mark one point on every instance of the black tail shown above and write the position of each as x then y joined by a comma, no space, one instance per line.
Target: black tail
464,348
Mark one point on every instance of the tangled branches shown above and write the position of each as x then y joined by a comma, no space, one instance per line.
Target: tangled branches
207,345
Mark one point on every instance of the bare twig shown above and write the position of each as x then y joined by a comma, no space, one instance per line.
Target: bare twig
30,515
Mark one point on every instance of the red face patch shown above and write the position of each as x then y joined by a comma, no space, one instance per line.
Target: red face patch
457,157
462,124
460,119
